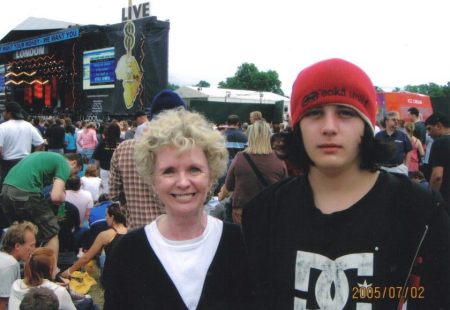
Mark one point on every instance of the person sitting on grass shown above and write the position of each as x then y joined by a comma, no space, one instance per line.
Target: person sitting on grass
105,240
40,270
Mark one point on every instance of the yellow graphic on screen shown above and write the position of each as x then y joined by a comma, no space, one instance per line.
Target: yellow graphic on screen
128,69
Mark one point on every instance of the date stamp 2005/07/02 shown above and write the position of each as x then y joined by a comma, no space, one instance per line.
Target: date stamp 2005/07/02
387,292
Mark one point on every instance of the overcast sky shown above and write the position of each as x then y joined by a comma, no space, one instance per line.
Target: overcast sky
397,42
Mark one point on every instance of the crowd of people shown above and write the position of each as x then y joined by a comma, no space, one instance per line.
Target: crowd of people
336,210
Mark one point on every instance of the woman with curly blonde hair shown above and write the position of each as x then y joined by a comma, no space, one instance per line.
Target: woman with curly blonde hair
185,258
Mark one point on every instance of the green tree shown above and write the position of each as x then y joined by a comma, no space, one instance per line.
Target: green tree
378,89
172,86
431,89
249,77
203,84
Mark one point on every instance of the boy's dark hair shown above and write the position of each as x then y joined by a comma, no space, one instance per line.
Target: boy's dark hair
414,111
438,117
373,151
73,183
75,156
233,120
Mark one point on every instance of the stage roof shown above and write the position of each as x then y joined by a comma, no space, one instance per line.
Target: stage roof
34,26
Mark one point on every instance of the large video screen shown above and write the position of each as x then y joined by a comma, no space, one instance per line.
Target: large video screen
98,68
2,79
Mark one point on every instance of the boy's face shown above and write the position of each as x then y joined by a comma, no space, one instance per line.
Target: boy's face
74,168
331,135
434,130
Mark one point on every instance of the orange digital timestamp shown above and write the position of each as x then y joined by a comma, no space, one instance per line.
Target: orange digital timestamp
388,292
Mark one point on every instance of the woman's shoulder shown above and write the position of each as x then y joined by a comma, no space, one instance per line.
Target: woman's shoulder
53,286
239,155
106,235
134,236
19,284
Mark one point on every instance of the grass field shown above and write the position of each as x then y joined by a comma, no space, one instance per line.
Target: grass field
96,291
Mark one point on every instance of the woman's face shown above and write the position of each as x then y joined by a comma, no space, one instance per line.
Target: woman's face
182,181
332,135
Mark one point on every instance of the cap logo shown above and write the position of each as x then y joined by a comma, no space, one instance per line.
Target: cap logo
361,98
336,91
310,98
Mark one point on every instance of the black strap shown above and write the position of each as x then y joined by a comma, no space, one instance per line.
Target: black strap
256,170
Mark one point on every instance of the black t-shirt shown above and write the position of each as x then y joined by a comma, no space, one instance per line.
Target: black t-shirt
236,141
103,154
302,257
440,157
55,137
420,131
402,145
68,223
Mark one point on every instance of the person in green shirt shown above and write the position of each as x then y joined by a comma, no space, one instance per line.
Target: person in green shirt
22,193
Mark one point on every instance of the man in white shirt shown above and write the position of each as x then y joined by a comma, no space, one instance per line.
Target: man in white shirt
19,242
16,137
81,198
142,122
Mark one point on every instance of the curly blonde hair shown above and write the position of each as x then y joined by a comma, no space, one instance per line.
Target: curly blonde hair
183,130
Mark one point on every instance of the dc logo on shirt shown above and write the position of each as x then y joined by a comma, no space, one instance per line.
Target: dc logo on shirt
332,273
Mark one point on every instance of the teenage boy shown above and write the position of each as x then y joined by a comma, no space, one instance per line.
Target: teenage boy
345,235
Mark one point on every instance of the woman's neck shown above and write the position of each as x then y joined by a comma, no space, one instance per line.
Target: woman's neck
118,227
182,228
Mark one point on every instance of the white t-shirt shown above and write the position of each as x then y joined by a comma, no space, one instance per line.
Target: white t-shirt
82,199
9,272
92,185
16,138
188,259
141,129
19,289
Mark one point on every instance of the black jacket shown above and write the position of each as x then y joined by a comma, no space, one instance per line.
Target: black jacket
55,137
139,281
300,256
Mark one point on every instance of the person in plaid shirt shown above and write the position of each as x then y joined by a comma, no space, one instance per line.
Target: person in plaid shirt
125,183
141,204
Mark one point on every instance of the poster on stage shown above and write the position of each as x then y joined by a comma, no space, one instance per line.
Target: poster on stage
127,68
